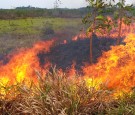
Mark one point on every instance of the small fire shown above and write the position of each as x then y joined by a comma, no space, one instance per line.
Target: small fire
65,42
72,71
82,35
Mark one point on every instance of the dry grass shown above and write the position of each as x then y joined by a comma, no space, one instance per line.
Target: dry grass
57,94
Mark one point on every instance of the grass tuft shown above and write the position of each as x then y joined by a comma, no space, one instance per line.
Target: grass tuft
58,94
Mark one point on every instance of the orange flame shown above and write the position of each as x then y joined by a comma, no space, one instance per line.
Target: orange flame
23,64
115,69
126,29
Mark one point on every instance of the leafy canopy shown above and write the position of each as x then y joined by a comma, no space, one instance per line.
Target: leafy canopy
123,12
97,18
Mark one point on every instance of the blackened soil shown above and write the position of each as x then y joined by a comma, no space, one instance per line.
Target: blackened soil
63,55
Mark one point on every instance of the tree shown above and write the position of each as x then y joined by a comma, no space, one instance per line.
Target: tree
97,20
56,6
56,3
122,15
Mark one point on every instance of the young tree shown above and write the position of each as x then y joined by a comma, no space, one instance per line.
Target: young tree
96,20
122,15
56,6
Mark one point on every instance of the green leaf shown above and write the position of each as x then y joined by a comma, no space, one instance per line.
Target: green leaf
89,30
100,17
100,11
127,21
128,8
119,4
86,18
109,28
100,5
91,2
116,15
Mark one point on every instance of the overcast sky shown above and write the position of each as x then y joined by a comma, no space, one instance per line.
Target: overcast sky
46,3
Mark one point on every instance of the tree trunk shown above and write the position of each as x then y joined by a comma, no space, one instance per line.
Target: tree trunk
119,34
91,52
91,37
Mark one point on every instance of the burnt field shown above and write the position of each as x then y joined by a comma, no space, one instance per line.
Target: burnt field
63,55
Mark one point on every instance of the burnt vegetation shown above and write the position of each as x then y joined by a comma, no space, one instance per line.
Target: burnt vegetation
63,55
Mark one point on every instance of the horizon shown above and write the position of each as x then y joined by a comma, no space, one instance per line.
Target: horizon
42,4
70,4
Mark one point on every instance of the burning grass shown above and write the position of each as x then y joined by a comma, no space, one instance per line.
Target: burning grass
107,87
56,93
116,67
102,89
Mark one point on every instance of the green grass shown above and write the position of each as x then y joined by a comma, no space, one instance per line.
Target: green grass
24,32
34,25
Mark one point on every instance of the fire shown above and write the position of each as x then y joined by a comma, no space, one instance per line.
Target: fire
23,64
115,69
82,35
126,29
72,71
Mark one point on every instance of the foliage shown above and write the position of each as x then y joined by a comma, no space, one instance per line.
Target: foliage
25,12
97,18
122,14
123,11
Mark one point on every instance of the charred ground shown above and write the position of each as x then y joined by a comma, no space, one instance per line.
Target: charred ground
64,55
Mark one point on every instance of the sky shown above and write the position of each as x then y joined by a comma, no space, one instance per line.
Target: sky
7,4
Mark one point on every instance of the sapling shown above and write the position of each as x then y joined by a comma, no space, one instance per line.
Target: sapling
97,20
122,15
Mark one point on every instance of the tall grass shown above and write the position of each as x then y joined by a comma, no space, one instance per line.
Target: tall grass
58,94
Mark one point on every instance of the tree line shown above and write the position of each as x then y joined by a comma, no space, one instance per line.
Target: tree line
25,12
